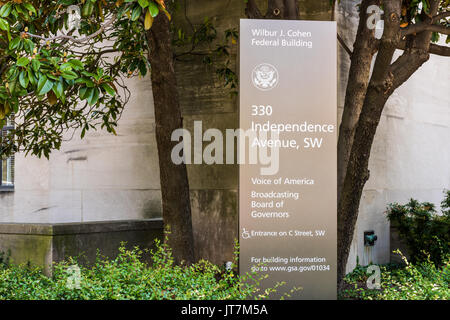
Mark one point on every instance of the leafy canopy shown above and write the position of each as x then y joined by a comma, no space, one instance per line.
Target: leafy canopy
57,75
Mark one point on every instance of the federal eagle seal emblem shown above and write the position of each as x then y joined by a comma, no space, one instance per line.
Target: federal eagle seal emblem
265,76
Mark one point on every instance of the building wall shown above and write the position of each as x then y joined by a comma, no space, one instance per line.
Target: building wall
105,177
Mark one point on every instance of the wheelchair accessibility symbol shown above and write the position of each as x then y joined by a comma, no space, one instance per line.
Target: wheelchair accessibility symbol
245,234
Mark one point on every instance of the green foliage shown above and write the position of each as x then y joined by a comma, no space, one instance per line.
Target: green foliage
415,11
422,229
57,78
421,281
445,204
127,277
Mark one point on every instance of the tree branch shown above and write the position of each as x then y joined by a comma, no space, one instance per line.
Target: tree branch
73,39
439,50
434,49
439,28
344,45
405,66
417,52
440,16
420,27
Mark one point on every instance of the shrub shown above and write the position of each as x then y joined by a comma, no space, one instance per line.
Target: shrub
424,232
421,281
127,277
445,204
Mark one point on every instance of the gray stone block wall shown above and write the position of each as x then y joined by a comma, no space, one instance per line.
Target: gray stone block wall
43,244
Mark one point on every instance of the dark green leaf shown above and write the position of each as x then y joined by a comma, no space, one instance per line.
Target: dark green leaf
44,85
23,61
153,8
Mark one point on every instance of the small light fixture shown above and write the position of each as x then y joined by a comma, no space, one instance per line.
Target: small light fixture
369,238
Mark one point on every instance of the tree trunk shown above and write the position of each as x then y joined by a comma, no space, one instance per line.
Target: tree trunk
386,78
174,181
358,80
276,9
357,170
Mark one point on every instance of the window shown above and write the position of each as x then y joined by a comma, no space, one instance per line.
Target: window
7,164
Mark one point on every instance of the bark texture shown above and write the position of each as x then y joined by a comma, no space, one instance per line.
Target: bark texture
361,60
277,9
174,181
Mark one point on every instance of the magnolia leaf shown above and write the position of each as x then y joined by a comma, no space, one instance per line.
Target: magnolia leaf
69,75
143,3
23,79
136,13
109,89
23,61
65,66
153,8
31,77
15,43
77,64
94,97
148,22
52,98
44,85
35,64
29,7
58,89
87,9
4,25
82,93
5,10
